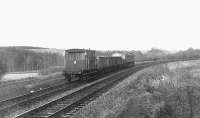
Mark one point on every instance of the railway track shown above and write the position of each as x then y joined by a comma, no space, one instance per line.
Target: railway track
11,106
50,90
69,104
12,101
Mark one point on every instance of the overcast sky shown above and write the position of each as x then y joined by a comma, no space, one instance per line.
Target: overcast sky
101,24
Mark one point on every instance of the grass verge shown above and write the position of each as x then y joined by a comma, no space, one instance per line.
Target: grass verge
162,91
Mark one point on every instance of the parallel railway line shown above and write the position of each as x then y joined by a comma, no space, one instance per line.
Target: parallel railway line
11,105
11,102
64,106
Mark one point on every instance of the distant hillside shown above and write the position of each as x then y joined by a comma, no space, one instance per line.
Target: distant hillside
163,54
189,53
156,53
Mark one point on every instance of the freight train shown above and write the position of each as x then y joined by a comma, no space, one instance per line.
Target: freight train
83,63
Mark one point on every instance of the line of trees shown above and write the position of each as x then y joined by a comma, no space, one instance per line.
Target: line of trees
18,59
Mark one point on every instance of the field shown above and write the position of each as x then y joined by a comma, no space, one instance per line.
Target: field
13,85
163,91
26,76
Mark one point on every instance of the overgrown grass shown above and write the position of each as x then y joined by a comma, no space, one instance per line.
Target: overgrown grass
161,91
172,93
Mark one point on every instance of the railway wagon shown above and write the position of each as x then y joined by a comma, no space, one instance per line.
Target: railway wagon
114,61
102,62
129,59
79,63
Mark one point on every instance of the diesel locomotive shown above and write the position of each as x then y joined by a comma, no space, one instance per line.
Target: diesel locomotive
83,63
